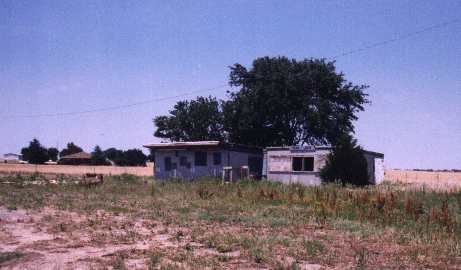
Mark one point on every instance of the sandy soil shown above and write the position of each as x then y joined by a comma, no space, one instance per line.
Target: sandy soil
51,239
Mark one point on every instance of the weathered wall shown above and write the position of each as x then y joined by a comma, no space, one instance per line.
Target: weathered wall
279,162
278,166
305,178
228,158
69,169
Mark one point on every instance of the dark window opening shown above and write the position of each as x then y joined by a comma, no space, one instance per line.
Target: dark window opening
297,164
303,164
200,158
183,161
167,164
255,165
216,158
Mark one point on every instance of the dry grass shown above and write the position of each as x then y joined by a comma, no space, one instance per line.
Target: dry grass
75,170
444,181
130,223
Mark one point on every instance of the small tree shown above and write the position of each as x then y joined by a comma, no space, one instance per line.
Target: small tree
98,157
135,157
53,153
346,164
116,156
35,153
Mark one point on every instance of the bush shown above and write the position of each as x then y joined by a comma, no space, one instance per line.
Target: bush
346,164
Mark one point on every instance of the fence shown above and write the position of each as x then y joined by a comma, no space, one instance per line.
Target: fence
77,170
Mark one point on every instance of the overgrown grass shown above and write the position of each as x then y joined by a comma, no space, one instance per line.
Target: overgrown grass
423,217
8,256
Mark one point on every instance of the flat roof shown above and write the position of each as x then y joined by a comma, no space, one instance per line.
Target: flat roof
181,144
315,148
202,145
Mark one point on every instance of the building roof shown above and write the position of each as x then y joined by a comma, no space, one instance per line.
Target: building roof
11,154
79,155
311,148
375,154
202,145
181,144
299,148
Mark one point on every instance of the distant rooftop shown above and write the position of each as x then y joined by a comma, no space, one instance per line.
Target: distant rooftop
79,155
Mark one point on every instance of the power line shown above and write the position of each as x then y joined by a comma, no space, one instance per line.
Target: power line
113,108
399,38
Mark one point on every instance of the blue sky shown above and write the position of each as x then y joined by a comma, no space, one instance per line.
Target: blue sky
61,56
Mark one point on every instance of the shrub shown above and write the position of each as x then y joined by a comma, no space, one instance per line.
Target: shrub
346,164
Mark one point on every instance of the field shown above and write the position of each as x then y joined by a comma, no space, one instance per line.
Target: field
131,222
76,170
433,180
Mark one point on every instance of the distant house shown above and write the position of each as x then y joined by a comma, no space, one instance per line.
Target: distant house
11,158
81,158
191,160
302,164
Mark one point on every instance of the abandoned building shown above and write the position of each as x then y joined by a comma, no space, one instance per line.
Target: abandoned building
302,164
191,160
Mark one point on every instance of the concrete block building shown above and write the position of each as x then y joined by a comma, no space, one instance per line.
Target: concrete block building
191,160
302,164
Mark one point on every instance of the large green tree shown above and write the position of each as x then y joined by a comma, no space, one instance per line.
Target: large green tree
35,153
199,119
278,101
283,101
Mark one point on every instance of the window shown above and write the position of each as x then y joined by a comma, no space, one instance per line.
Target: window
255,165
303,164
183,161
216,158
168,164
200,158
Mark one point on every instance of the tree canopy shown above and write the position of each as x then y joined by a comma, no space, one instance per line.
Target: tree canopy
35,153
194,120
131,157
283,101
53,153
98,157
278,101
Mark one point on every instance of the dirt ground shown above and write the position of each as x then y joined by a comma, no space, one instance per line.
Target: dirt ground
129,223
52,239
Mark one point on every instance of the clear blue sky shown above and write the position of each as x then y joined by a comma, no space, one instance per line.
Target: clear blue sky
61,56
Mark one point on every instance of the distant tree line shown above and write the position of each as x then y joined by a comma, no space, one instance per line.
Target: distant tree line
36,153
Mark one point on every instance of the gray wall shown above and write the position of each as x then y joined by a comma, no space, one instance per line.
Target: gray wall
278,166
228,158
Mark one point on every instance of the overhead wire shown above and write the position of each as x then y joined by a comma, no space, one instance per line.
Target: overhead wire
124,106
